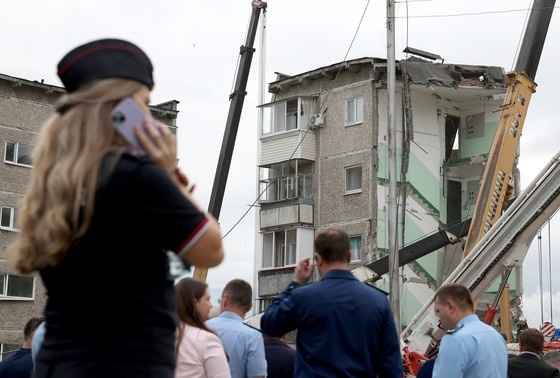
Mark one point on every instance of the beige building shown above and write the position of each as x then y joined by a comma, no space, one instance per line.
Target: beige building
324,158
24,106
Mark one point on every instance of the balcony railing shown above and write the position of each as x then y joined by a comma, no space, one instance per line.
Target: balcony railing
287,187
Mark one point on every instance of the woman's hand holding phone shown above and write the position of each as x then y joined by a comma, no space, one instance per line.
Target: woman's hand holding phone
159,143
142,132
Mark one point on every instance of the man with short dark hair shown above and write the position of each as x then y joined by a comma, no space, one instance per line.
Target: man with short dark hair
528,363
345,328
244,344
469,348
20,363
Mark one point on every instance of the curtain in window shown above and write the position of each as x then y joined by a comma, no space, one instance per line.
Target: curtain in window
308,108
279,117
360,109
354,178
268,250
355,246
24,153
350,113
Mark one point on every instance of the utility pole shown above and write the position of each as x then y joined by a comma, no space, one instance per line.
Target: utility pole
394,290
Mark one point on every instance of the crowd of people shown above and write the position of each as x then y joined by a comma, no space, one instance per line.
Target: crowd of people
105,211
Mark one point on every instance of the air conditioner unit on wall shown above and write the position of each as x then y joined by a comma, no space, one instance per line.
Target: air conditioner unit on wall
318,120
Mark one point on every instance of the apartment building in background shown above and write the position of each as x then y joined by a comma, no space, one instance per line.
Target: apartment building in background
24,106
324,162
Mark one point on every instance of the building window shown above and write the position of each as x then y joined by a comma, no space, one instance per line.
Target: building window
305,186
264,303
287,187
8,218
354,111
283,188
354,179
6,350
291,114
355,248
285,115
288,254
14,286
18,153
279,248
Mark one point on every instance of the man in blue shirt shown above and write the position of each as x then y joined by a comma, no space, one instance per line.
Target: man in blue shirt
345,328
20,363
469,348
244,345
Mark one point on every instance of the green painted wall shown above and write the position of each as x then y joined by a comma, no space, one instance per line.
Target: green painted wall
477,146
425,184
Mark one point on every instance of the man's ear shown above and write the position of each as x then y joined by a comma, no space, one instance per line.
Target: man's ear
250,307
451,305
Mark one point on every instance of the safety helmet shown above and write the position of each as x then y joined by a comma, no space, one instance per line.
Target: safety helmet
522,320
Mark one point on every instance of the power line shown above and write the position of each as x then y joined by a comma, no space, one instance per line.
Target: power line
466,14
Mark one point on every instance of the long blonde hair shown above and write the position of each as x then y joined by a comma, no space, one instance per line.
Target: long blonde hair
59,202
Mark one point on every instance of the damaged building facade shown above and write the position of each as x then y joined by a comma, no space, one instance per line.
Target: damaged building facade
323,162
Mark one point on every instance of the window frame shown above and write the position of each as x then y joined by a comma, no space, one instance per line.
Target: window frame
274,253
12,218
15,151
356,252
5,287
347,171
7,349
287,187
354,111
305,185
289,255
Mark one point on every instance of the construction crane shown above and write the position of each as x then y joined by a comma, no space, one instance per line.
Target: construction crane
495,192
496,189
237,98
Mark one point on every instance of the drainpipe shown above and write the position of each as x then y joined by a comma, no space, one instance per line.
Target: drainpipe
394,282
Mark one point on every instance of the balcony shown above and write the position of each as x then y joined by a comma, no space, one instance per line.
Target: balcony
286,132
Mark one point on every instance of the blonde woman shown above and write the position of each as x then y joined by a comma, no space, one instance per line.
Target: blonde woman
199,351
98,219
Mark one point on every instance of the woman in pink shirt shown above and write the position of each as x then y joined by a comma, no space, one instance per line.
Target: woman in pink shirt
199,351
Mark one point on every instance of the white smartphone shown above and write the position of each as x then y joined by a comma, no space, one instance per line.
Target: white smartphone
127,114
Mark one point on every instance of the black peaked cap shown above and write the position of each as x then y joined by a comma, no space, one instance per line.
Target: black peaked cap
102,59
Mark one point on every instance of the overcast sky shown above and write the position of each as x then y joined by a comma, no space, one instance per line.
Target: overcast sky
194,46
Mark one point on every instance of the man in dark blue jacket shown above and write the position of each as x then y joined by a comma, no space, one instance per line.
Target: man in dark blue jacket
280,357
20,364
345,328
